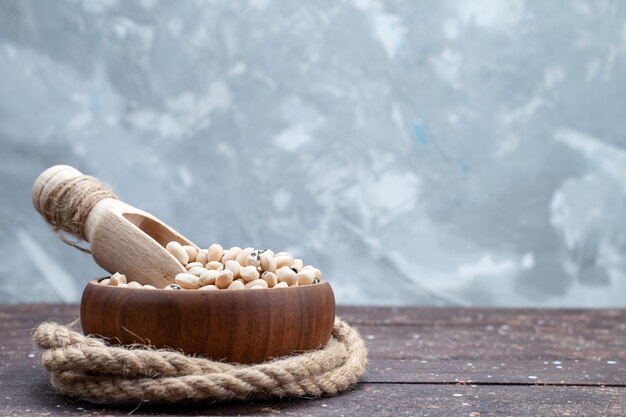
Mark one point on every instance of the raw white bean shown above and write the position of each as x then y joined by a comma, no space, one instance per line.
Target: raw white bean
191,252
149,287
243,255
257,283
122,285
281,285
248,273
297,263
208,288
172,287
270,278
231,254
117,279
197,271
201,257
253,259
194,264
224,279
236,285
268,263
209,277
179,253
233,266
256,287
214,265
283,260
286,274
188,281
317,272
215,252
134,284
306,277
106,281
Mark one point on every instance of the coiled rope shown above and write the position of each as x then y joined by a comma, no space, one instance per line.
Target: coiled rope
88,368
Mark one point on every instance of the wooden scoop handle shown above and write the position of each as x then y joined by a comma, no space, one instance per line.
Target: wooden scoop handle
123,238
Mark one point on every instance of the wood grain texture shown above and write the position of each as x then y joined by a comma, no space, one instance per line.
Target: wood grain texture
239,326
131,242
418,366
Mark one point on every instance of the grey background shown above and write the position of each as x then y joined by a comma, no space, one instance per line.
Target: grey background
441,152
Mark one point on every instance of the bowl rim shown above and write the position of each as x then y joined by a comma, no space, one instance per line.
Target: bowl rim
96,282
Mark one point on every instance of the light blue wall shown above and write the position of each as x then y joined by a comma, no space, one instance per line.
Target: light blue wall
464,152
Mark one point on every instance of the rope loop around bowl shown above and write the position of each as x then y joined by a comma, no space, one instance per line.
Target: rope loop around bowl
86,367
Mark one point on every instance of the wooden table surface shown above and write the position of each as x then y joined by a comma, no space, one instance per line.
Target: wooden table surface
422,362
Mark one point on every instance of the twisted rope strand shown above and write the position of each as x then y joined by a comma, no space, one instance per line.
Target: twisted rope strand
86,367
69,203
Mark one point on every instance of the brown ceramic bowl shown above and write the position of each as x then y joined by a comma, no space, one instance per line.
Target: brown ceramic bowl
245,326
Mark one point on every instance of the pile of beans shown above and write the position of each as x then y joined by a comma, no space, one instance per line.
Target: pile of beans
119,280
217,268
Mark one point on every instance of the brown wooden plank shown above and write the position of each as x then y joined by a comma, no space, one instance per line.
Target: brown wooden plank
433,316
583,347
567,372
413,358
35,399
454,342
439,353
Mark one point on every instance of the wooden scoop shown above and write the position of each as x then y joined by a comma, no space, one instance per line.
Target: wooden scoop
123,239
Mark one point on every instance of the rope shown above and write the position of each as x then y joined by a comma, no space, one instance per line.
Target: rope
69,203
88,368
